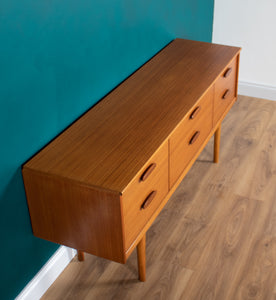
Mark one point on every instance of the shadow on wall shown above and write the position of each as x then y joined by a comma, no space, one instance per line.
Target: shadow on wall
19,242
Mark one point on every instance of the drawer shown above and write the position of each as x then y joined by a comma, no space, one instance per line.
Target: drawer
187,138
225,90
144,194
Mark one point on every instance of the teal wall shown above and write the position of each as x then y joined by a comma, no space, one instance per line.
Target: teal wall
58,58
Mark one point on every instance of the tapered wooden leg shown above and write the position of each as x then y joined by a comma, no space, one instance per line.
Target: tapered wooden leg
216,144
141,258
80,255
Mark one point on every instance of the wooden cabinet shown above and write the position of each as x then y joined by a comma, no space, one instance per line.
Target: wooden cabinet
101,183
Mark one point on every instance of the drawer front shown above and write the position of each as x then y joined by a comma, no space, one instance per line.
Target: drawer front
144,194
225,90
189,136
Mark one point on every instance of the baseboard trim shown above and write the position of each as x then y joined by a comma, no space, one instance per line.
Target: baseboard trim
35,289
257,90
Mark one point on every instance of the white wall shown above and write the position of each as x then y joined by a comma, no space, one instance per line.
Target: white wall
250,24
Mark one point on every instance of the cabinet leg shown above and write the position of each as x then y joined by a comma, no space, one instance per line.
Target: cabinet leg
216,144
80,255
141,258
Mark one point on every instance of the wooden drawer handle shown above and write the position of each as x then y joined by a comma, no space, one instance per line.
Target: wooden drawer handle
147,172
148,200
226,93
227,72
194,137
195,112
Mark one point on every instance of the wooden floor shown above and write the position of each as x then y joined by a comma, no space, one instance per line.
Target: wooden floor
216,237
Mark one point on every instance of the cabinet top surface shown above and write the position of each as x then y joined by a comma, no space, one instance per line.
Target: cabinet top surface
110,143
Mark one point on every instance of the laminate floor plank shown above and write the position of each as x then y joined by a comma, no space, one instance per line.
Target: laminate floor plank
117,285
216,237
238,154
172,221
197,229
79,278
258,179
258,275
224,251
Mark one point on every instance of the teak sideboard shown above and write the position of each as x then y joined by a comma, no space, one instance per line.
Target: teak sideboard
101,183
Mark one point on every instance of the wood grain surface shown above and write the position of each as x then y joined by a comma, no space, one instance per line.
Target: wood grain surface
216,237
217,144
225,90
111,173
134,217
183,146
141,258
106,148
75,215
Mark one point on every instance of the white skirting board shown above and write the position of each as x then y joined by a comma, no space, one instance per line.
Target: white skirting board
35,289
257,90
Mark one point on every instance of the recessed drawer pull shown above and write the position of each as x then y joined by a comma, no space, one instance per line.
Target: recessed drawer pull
195,112
148,200
147,172
194,137
226,93
227,72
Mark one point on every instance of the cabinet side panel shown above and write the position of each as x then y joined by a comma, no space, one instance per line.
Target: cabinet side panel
75,215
